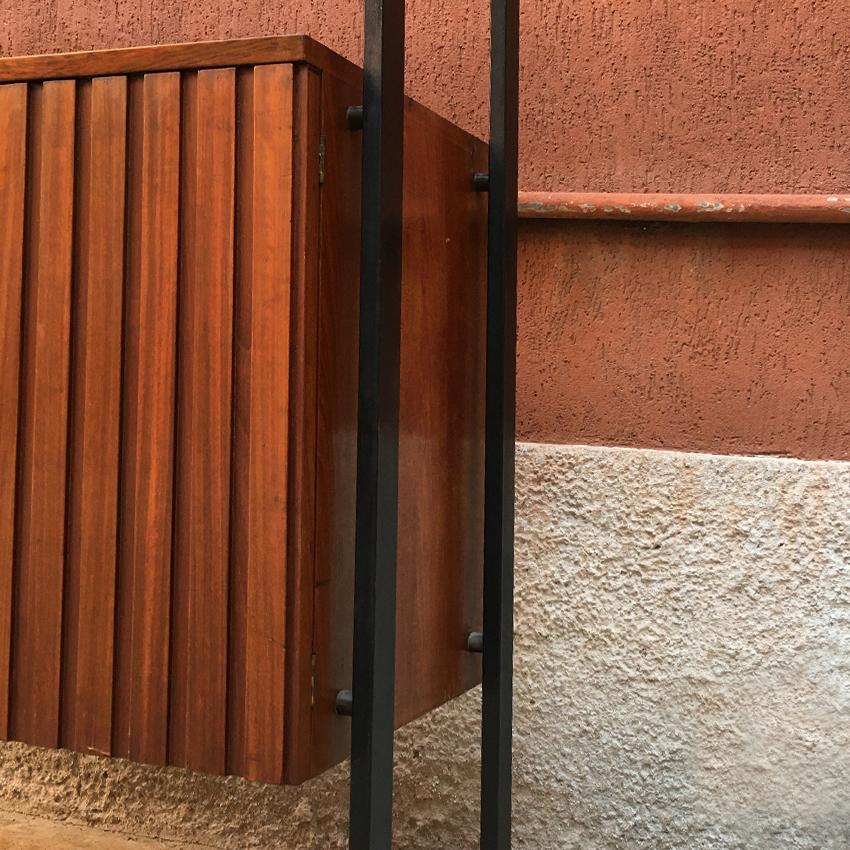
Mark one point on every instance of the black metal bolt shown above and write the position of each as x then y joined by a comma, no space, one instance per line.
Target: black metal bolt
481,182
354,117
475,642
345,703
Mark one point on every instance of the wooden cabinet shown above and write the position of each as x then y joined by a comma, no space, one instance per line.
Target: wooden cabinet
179,263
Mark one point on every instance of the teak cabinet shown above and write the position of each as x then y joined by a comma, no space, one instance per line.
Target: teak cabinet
179,264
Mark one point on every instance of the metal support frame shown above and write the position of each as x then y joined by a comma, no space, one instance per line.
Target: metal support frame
497,708
371,700
373,684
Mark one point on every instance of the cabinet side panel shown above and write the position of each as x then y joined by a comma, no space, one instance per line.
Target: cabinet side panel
441,422
261,434
441,453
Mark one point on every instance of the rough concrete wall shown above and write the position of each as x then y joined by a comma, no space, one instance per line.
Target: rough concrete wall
683,681
684,651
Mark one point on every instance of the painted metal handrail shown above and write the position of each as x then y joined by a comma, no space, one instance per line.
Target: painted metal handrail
622,206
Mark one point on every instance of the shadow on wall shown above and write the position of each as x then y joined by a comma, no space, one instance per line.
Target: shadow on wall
683,681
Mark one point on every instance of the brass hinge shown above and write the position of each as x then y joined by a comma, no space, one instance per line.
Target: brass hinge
313,681
322,159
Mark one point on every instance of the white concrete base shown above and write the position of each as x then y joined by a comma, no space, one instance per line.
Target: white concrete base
683,681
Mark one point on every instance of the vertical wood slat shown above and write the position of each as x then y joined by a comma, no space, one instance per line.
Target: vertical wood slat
261,447
42,475
141,701
303,408
93,510
201,562
13,144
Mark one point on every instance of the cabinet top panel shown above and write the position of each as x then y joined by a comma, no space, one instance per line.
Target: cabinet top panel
175,57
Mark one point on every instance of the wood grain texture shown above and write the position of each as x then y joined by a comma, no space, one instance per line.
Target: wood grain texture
13,146
441,416
201,552
93,510
141,720
174,57
179,534
336,439
441,451
303,395
261,437
42,480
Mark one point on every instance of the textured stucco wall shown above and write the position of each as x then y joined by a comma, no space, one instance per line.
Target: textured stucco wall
723,338
683,681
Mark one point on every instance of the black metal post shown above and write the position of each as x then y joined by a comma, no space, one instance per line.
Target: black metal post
373,682
497,719
371,702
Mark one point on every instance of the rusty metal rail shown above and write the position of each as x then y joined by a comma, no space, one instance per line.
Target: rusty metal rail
796,209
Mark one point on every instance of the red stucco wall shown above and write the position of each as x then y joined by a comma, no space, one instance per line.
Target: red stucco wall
715,338
720,338
632,95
